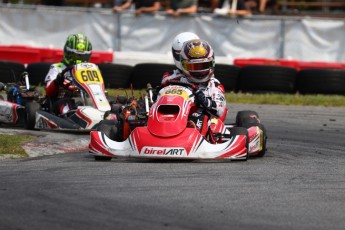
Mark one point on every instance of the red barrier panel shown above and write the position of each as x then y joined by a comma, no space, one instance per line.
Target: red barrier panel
19,54
320,65
26,55
254,61
298,65
289,63
49,55
101,57
265,61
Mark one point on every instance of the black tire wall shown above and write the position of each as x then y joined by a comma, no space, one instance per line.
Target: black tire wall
149,73
37,72
227,75
265,78
321,81
10,71
116,75
252,78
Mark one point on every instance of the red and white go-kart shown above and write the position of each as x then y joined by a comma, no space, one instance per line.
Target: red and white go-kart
167,135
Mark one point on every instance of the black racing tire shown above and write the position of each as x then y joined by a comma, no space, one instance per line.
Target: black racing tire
247,116
152,73
115,109
121,99
115,75
37,72
109,128
227,75
47,105
234,131
30,114
111,100
321,81
266,78
102,158
10,71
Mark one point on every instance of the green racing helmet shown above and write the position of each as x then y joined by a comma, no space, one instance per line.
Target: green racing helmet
77,49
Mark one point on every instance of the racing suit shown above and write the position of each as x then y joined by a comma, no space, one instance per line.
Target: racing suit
58,90
209,96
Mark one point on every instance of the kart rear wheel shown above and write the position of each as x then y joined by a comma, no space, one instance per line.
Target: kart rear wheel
30,114
102,158
246,116
109,128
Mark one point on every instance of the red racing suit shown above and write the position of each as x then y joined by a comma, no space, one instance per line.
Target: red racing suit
60,94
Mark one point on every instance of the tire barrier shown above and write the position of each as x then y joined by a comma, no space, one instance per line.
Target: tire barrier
321,81
249,78
37,72
149,73
10,71
116,75
227,75
266,78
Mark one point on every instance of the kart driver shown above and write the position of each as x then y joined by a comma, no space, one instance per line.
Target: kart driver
196,66
77,49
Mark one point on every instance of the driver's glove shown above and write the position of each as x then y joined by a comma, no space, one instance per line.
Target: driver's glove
201,99
206,102
59,79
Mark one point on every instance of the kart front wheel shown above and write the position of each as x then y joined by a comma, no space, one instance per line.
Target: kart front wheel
109,128
30,114
246,116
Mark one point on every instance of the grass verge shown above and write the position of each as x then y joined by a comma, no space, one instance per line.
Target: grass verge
258,98
263,98
11,145
287,99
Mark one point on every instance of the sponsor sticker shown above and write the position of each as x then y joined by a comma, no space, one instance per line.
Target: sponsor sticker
167,151
253,147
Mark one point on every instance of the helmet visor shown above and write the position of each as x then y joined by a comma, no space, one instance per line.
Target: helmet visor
80,57
197,66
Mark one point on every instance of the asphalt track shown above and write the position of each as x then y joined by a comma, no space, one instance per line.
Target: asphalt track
299,184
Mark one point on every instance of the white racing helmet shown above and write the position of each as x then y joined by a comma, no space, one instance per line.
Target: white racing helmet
178,43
